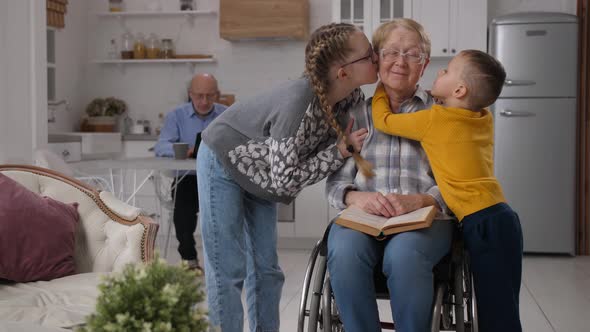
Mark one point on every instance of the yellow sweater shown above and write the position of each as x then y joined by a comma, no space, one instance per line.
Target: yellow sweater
459,144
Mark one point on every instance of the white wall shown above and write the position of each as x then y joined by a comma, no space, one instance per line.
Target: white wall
22,76
71,67
243,68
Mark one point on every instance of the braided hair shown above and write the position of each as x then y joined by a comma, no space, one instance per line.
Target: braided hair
327,44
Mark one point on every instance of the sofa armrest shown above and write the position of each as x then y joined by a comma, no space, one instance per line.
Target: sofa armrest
124,236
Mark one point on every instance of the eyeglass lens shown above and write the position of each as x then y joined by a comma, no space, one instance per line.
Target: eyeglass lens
391,55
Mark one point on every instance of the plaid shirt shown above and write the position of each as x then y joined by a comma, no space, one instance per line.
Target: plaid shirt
400,164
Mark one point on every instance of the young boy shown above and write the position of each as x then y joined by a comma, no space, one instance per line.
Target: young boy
458,137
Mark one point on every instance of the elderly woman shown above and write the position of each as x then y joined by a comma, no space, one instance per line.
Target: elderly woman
403,183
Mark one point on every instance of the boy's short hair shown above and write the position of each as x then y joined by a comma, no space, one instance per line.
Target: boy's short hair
484,76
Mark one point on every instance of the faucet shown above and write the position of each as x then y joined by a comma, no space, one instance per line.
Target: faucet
52,105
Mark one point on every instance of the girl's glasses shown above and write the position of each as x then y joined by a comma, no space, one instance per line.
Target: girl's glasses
371,56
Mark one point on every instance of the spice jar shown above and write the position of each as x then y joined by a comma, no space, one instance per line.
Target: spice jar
139,47
127,41
115,5
167,49
153,47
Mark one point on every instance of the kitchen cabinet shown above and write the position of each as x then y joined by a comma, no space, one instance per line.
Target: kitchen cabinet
368,15
260,19
453,25
68,151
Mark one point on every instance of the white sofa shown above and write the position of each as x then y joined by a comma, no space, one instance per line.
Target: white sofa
110,235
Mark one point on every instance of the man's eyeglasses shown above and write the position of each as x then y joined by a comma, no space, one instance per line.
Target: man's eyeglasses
392,55
203,96
366,57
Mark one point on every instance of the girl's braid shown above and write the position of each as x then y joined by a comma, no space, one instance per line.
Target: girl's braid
328,44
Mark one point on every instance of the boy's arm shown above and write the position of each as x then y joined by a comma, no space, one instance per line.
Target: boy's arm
410,125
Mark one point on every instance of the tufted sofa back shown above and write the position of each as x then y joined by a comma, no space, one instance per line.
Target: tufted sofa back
110,234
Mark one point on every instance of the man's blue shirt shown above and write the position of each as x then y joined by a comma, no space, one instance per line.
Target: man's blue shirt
182,125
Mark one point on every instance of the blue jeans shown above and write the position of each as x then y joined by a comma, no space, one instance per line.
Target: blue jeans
239,233
408,259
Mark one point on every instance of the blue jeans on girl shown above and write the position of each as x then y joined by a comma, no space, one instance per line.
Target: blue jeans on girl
239,233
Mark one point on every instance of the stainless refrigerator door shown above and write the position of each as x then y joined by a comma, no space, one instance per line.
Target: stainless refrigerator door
535,163
540,59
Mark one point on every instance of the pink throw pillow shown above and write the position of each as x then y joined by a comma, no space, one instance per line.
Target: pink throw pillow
37,234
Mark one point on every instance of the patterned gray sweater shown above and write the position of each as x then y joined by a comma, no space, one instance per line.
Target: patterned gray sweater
278,142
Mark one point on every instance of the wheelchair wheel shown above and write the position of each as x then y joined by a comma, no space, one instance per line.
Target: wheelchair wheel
317,262
458,298
330,317
471,325
303,311
438,318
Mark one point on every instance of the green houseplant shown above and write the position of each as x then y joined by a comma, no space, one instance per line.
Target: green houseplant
102,114
155,297
109,106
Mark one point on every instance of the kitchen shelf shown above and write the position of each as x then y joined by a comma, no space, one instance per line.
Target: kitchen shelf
137,61
188,13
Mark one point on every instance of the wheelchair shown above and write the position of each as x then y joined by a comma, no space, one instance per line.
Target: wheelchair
454,305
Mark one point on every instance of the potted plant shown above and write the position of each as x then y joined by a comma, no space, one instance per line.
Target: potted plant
102,114
155,297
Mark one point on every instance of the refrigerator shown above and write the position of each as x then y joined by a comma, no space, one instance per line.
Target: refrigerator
535,125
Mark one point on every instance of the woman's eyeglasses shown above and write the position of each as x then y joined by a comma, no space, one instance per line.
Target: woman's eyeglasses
371,56
392,55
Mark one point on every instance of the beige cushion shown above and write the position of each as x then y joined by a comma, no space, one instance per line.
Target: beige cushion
63,302
6,326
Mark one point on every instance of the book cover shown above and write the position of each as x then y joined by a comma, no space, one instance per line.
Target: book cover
378,226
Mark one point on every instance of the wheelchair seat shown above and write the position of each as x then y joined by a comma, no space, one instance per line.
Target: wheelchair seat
453,309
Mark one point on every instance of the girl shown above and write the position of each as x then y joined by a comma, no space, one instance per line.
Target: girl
266,150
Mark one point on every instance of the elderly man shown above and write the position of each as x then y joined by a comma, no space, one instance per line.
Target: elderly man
183,124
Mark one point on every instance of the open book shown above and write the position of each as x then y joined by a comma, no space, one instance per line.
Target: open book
355,218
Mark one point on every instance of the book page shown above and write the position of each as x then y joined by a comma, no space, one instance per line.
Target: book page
416,216
357,215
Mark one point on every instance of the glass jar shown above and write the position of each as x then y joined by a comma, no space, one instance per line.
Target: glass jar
139,46
153,47
113,50
187,5
115,5
167,49
127,41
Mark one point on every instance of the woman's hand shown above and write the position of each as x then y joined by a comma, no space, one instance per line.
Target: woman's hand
356,139
389,205
371,202
407,203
